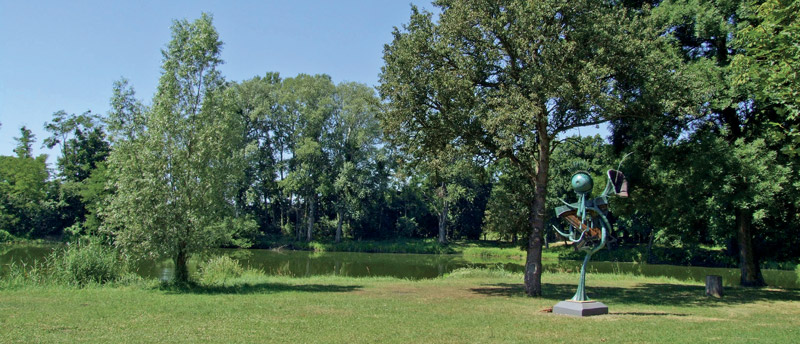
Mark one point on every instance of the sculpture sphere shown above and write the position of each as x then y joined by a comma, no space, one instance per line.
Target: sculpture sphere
582,182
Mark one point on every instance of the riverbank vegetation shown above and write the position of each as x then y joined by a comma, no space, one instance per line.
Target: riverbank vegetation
465,306
467,136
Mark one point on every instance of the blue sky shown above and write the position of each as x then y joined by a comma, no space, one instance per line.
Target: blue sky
66,55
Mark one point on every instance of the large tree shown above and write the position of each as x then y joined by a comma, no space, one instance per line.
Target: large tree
26,207
734,116
351,136
506,78
176,180
308,103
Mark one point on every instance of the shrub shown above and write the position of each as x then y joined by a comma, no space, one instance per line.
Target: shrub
317,247
6,236
85,263
219,270
494,252
481,273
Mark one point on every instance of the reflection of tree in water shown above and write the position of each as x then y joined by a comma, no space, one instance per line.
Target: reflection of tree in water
411,266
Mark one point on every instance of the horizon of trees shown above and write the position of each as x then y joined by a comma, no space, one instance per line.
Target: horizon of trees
440,150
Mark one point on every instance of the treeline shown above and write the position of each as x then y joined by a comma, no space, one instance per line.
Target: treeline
313,165
467,136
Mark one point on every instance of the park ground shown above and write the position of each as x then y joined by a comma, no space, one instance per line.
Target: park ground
467,306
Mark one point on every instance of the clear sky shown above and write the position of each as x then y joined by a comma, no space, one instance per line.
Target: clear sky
66,55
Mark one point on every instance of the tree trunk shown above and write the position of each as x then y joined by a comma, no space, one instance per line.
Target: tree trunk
533,262
714,285
443,216
312,208
298,228
181,269
650,246
751,272
339,218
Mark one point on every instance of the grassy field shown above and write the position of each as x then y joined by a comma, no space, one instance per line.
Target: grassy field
467,306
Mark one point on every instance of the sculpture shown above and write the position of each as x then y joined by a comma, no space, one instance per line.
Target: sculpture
588,229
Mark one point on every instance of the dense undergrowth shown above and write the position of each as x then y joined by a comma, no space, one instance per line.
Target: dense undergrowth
76,264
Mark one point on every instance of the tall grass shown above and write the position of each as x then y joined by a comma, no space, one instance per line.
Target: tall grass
77,264
219,270
494,252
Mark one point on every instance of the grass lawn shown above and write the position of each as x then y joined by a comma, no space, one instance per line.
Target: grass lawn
469,306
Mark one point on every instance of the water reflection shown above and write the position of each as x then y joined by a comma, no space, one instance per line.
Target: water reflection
409,266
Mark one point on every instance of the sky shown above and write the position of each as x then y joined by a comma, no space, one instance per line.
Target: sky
66,55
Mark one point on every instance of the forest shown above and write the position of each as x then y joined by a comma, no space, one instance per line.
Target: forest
470,135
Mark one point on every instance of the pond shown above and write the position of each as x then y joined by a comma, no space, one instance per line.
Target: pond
410,266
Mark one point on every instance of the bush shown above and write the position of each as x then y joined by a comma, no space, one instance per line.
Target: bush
86,263
481,273
6,236
317,247
219,270
495,252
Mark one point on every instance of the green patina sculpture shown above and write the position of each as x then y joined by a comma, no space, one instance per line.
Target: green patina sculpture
587,218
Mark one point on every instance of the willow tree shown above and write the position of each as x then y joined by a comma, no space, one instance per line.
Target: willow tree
175,180
506,78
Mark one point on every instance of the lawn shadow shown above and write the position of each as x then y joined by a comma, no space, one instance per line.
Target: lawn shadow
656,294
257,288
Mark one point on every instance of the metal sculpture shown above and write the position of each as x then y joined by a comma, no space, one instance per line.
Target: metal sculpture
587,218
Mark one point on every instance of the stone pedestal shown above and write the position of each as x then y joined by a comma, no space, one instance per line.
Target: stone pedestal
580,308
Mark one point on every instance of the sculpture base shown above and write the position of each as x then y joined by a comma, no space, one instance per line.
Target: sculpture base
580,308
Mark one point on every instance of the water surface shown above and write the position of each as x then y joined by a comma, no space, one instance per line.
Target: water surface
409,266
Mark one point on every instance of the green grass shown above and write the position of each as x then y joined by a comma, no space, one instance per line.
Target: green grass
495,252
467,306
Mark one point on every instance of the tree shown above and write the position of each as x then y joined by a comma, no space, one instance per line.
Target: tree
508,210
25,142
176,181
506,78
25,206
704,32
351,137
309,103
768,67
63,125
126,119
83,152
257,101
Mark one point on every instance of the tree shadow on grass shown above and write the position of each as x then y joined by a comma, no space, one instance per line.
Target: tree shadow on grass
257,288
655,294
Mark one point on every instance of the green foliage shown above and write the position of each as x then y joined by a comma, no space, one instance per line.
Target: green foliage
176,181
494,252
406,226
78,264
6,236
683,256
126,119
25,142
86,263
27,208
768,67
422,246
479,273
219,270
471,80
83,153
